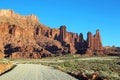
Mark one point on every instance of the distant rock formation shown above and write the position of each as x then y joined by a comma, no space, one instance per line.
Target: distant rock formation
111,51
26,37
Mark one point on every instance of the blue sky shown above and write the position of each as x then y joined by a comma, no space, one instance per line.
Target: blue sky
78,15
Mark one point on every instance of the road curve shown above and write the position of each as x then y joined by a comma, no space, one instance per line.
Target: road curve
35,72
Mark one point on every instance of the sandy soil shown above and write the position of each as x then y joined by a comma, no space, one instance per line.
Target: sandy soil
5,67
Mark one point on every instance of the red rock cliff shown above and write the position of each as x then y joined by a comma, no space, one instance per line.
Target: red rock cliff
24,36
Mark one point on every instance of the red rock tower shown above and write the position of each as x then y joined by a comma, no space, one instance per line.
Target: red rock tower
94,42
97,41
62,33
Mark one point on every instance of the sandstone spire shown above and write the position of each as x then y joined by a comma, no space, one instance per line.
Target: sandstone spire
90,40
62,33
81,39
97,41
94,42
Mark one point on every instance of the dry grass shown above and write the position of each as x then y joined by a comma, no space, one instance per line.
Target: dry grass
107,67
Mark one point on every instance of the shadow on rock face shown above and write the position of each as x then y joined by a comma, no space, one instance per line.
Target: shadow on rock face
9,50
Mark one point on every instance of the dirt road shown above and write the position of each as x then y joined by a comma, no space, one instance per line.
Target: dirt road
35,72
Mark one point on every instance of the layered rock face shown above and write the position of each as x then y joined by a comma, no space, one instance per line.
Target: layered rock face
25,37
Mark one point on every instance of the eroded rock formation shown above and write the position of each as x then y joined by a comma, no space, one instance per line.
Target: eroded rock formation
25,37
94,42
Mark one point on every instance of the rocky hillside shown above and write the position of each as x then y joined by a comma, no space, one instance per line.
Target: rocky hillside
26,37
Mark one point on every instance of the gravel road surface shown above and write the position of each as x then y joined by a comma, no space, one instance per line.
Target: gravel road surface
35,72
